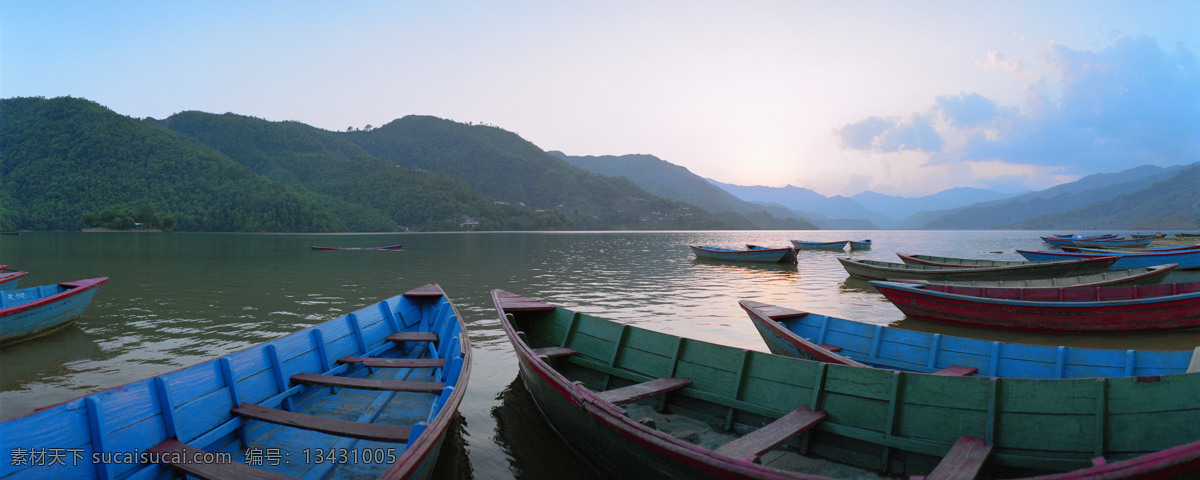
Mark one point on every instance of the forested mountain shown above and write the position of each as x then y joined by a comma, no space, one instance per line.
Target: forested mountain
1091,189
64,157
370,193
902,208
506,167
826,212
1172,204
672,181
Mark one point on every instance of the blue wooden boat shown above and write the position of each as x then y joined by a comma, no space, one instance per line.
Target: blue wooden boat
1180,248
29,312
830,339
1187,259
860,245
370,394
9,281
756,254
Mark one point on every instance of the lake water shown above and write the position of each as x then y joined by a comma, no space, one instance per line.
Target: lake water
177,299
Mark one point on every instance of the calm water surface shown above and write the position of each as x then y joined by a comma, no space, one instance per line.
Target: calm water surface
177,299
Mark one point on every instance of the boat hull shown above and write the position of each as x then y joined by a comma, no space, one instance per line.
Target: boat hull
758,255
9,281
1047,311
1187,259
1133,276
807,335
875,270
199,405
36,311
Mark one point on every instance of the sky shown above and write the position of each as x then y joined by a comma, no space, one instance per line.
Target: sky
902,98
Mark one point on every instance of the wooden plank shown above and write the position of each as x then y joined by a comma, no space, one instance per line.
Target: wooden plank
638,391
367,383
332,426
964,460
172,449
511,302
753,445
412,337
431,290
956,371
395,362
551,352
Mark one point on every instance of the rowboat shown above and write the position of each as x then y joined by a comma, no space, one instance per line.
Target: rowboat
933,260
388,247
1182,248
863,245
1131,276
9,281
756,254
1114,242
29,312
368,394
1139,307
644,404
1060,240
830,339
1187,259
877,270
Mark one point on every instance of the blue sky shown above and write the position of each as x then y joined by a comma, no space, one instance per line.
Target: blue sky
905,98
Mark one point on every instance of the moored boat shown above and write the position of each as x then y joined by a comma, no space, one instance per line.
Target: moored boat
29,312
9,281
937,261
1182,248
830,339
1119,308
1060,240
877,270
399,369
1187,259
644,404
386,247
1131,276
756,254
1114,242
860,245
838,245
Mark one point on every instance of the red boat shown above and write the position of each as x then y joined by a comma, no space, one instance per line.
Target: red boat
1141,307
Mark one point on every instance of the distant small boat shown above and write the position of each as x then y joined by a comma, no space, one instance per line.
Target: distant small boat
756,254
389,247
9,281
1187,259
838,245
863,245
370,394
830,339
1120,308
876,270
29,312
1069,239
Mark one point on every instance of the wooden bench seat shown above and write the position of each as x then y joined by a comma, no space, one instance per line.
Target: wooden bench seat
413,337
754,444
186,453
367,383
551,352
395,362
963,462
332,426
956,371
638,391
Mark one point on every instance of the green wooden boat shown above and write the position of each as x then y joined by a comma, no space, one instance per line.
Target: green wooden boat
620,395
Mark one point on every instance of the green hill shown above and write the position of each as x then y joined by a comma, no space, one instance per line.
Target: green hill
64,157
1171,204
360,186
506,167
